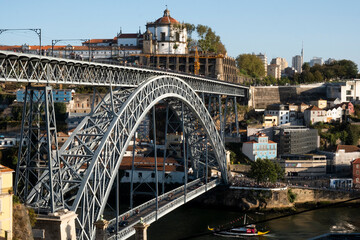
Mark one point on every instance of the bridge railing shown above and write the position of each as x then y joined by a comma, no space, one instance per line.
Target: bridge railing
126,232
145,205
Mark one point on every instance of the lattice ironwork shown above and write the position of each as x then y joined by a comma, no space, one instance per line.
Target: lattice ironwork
38,175
93,153
29,68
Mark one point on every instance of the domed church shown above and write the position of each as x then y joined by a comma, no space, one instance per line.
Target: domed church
165,36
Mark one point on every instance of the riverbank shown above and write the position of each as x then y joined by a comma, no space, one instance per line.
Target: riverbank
248,199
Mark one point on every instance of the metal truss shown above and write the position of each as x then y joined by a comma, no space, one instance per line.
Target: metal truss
29,68
38,175
92,155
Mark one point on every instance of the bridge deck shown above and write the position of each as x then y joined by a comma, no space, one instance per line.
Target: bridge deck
29,68
167,203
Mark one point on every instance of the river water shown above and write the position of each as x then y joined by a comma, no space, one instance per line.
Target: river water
191,219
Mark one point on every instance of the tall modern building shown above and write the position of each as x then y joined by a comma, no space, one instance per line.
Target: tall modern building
297,63
264,60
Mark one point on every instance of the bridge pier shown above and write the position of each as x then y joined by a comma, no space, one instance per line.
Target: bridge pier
141,231
101,227
58,226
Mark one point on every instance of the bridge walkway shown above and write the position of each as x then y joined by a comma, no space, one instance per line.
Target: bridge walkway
166,203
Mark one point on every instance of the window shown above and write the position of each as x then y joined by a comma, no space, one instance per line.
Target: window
140,175
127,174
357,165
177,36
152,175
162,36
348,92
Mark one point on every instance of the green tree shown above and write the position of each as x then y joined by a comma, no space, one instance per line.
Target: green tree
250,65
16,111
60,111
263,170
209,41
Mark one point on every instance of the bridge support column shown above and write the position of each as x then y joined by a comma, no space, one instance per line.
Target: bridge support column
38,181
58,225
141,231
101,227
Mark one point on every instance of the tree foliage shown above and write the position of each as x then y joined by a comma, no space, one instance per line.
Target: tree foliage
16,111
251,65
264,170
337,70
208,40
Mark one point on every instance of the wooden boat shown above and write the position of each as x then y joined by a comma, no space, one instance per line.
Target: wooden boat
248,230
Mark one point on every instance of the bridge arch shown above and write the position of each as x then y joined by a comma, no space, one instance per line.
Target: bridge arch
97,162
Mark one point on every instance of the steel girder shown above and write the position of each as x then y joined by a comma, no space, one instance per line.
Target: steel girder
29,68
38,176
93,153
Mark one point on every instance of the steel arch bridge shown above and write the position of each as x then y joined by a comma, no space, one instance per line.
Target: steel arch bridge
80,175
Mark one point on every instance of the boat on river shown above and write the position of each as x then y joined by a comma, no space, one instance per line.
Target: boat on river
247,230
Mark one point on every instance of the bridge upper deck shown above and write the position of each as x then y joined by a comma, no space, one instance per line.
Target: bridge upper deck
29,68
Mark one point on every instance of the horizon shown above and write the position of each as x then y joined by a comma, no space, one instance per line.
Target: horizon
327,29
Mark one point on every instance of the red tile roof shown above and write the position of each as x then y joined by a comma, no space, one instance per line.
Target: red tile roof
5,169
348,148
129,35
356,161
166,20
314,108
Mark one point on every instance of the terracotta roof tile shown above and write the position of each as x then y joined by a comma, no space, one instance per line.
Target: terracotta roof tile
348,148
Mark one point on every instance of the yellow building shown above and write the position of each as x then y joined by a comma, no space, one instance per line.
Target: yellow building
321,103
270,121
6,202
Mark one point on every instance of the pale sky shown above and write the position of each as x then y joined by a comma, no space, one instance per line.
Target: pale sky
328,28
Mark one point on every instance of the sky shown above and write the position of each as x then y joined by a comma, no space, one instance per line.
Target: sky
327,28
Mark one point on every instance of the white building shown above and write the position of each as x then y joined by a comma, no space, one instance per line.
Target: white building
263,58
144,170
314,114
280,111
348,91
316,60
165,36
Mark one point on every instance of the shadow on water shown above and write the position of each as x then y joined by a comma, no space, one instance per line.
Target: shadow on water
191,220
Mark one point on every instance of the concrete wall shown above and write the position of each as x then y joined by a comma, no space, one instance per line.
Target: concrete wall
261,96
249,199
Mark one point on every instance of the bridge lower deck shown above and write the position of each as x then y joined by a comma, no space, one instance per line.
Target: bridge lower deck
166,203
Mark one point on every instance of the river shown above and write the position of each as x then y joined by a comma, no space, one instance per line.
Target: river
191,220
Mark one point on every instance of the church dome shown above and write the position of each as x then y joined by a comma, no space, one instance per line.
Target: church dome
166,19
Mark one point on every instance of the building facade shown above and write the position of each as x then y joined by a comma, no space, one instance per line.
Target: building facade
263,58
59,95
260,146
348,91
355,165
6,202
296,140
297,62
281,111
308,165
281,62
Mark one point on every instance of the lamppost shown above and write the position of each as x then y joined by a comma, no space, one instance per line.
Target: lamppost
36,30
54,42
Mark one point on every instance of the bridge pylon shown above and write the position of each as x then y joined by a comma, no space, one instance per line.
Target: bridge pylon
38,174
